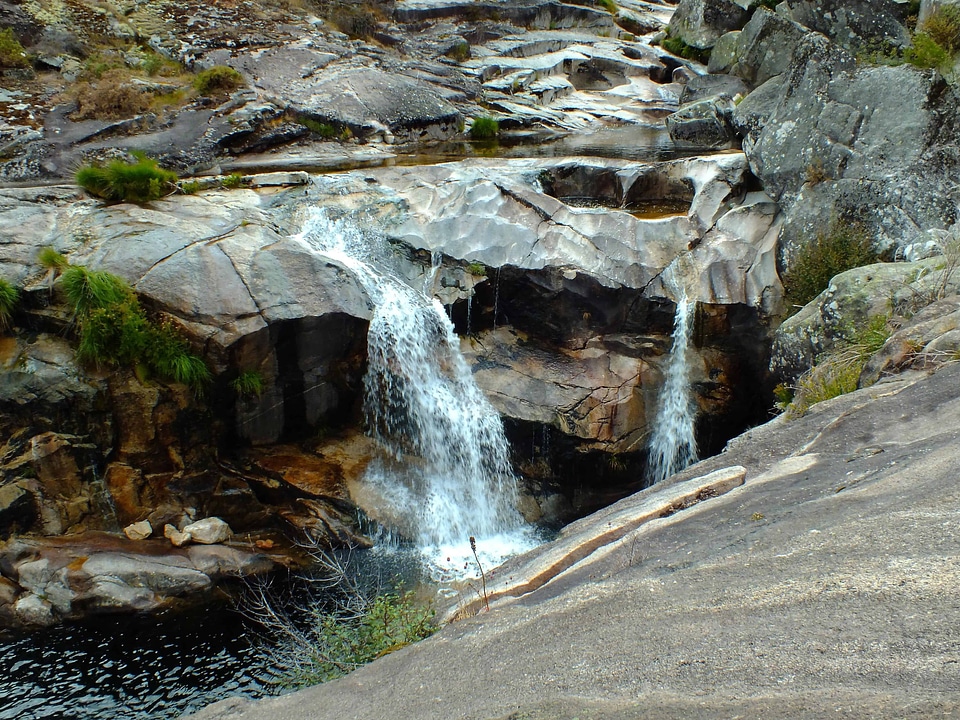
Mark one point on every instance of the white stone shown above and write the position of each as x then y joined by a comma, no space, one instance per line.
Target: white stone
179,539
32,610
139,530
209,531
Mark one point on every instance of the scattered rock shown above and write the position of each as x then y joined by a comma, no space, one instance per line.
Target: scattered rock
208,531
178,538
139,530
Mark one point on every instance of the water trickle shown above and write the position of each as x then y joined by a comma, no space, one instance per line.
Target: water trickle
469,314
446,469
673,445
496,298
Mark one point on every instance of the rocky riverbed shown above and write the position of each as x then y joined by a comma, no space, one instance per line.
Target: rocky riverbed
560,275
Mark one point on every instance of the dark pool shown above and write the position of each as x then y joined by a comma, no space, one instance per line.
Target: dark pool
131,667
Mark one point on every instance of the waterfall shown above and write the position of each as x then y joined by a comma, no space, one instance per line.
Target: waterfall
672,444
446,467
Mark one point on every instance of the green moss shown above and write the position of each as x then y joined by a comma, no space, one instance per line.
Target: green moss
943,27
324,130
926,52
484,128
609,5
139,182
459,52
191,188
679,48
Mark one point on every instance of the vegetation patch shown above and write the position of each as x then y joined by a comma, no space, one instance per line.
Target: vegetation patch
679,48
12,54
232,181
484,128
113,329
249,383
9,294
138,182
218,80
324,130
831,253
609,5
943,27
113,96
835,373
459,52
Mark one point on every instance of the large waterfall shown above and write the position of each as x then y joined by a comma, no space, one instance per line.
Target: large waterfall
672,444
446,469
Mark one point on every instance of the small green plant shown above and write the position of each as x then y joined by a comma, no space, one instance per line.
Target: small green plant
50,259
679,48
484,128
9,294
248,383
926,52
459,51
191,187
219,79
477,269
232,181
841,248
139,182
12,54
757,516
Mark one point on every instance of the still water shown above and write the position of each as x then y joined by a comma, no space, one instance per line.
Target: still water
131,667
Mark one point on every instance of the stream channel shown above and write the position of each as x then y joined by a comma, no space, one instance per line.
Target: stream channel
154,667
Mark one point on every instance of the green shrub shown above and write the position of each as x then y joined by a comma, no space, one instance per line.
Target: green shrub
138,182
113,329
217,80
926,52
248,383
484,128
477,269
609,5
9,294
191,188
943,27
11,51
832,252
340,644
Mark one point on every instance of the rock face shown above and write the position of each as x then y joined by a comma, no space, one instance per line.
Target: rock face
830,544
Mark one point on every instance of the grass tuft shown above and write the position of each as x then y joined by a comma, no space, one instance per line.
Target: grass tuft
248,383
484,128
9,294
138,182
12,54
50,259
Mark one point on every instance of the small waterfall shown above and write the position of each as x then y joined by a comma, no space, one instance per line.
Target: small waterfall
446,469
672,444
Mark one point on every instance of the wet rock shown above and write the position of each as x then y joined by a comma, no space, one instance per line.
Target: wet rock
31,610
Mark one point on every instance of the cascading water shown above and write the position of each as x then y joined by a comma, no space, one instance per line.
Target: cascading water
673,445
446,469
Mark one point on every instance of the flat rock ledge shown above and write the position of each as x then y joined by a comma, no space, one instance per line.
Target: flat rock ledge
45,581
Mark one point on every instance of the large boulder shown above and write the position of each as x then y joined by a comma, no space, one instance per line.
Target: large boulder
700,23
853,23
819,141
